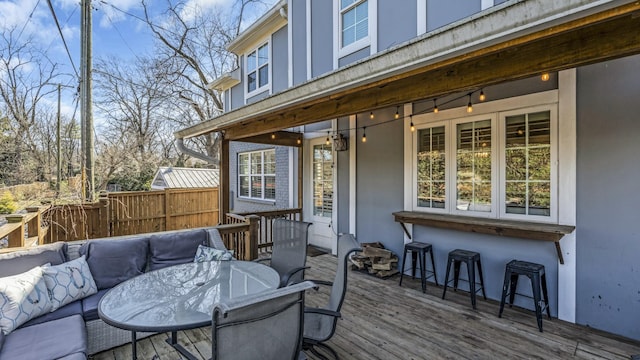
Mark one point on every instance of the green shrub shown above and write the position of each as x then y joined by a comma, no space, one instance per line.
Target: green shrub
7,204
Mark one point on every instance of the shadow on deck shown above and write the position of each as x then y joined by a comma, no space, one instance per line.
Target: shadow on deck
384,321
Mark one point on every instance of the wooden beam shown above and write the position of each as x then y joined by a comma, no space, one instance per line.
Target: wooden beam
608,35
225,189
282,138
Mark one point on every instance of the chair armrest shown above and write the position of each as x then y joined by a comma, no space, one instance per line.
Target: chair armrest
321,282
284,281
323,312
262,260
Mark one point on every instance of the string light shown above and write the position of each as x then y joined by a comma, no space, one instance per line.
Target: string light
273,136
435,106
482,97
299,141
371,115
364,134
328,141
545,77
469,106
397,115
413,128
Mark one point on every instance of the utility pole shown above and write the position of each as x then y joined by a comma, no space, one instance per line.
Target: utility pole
58,148
86,103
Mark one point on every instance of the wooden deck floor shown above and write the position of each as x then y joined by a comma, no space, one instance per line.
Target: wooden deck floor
384,321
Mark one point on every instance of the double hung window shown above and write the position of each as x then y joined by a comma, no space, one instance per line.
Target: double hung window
258,68
354,20
257,175
499,164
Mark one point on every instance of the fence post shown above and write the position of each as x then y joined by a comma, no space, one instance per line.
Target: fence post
34,226
16,238
104,218
254,236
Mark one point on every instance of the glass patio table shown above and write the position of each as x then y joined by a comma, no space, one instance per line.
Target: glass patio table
181,297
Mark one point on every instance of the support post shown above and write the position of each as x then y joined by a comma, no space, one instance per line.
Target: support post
105,215
34,226
300,181
16,238
254,236
224,179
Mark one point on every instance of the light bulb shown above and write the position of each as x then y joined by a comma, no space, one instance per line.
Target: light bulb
435,106
328,141
469,106
364,135
482,96
273,136
397,114
545,77
413,128
371,115
299,141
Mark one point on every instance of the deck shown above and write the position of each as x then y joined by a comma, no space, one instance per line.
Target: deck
384,321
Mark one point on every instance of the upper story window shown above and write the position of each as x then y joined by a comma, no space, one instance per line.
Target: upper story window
354,16
258,68
498,164
257,174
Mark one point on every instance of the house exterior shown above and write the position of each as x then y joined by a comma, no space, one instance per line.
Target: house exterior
504,127
169,177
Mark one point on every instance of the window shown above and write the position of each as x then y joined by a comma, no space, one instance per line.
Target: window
498,164
257,175
258,68
354,18
322,180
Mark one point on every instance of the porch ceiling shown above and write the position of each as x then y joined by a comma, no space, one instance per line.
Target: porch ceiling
462,57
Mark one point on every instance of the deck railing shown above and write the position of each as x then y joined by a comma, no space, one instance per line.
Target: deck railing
24,230
265,224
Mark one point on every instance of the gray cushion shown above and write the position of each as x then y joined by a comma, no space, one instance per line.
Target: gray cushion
90,305
24,260
115,260
49,340
176,247
75,308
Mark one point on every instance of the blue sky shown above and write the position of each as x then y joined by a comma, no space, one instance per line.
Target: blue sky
115,31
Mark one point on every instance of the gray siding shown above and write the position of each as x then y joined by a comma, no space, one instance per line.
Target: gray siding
227,100
443,12
280,60
298,22
282,179
237,96
351,58
379,164
321,37
258,97
608,173
394,26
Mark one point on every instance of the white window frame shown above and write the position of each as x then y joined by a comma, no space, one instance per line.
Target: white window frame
497,111
267,86
263,175
369,40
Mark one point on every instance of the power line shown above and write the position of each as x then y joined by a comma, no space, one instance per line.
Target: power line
28,19
55,18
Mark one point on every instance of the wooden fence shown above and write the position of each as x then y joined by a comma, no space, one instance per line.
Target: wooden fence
265,223
128,213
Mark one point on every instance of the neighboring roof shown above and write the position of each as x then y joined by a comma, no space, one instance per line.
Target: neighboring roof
175,177
267,24
463,54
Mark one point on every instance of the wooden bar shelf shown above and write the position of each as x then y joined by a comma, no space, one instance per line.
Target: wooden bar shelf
510,228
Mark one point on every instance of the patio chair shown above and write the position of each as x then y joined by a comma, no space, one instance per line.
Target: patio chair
289,254
320,323
267,325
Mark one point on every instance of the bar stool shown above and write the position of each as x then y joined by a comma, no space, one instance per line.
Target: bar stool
419,248
535,273
471,259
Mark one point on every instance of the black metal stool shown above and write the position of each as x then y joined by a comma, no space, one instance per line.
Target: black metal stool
535,273
418,248
471,258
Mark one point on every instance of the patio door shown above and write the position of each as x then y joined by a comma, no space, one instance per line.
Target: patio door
319,192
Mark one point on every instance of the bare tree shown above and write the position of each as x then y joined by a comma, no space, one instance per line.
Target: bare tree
192,53
27,76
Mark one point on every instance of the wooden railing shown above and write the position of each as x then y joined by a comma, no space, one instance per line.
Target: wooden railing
265,224
24,230
242,237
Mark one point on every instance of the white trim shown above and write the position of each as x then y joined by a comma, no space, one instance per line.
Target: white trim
408,169
292,178
567,193
421,9
308,39
353,143
262,175
267,24
485,4
290,45
258,90
371,40
335,208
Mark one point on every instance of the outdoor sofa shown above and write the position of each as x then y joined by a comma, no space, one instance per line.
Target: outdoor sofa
90,268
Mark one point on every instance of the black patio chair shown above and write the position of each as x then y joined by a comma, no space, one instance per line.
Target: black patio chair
320,323
289,254
265,326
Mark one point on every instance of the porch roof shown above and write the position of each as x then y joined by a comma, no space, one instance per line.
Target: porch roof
514,40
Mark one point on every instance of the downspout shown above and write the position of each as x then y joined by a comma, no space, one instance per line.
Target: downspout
185,150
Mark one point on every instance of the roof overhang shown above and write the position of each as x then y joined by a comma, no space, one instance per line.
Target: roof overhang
267,24
514,40
226,81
